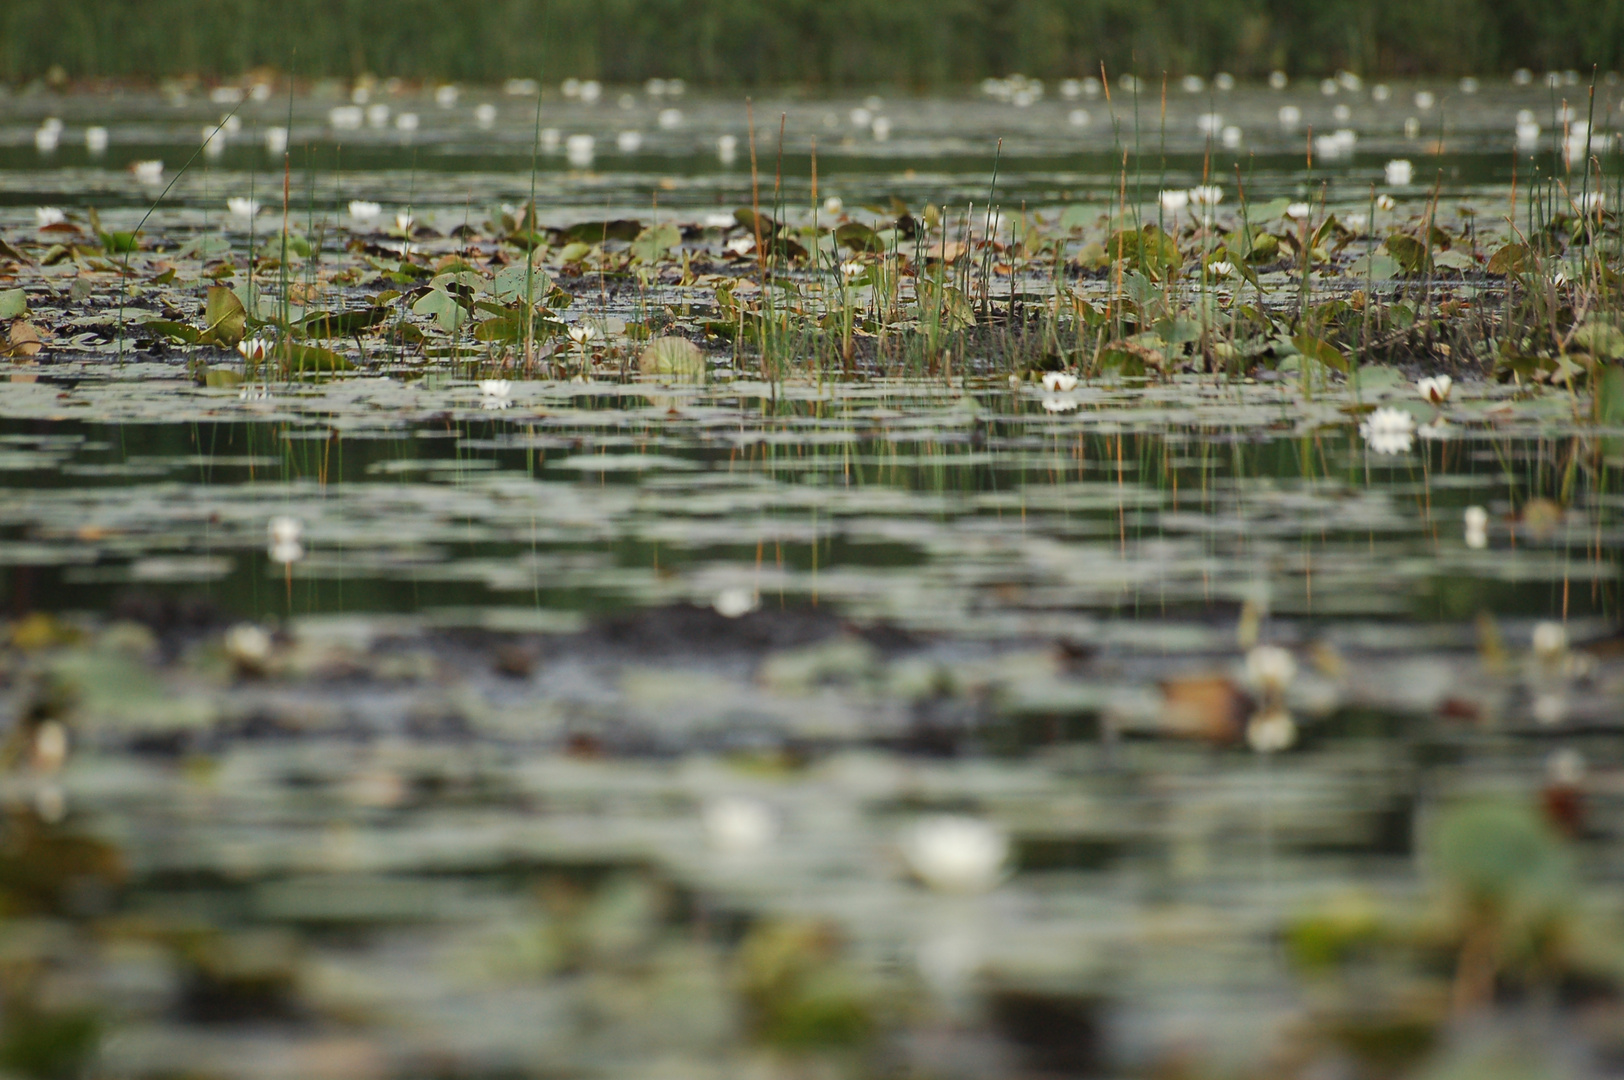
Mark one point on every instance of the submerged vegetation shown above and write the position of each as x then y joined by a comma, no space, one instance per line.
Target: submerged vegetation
913,43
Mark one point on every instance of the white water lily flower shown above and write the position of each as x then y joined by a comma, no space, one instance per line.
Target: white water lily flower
404,221
1589,203
254,348
735,602
1054,404
670,119
1231,137
1206,195
833,206
1270,668
96,139
1385,202
1424,100
276,140
848,270
285,535
148,172
1277,80
629,142
407,121
346,117
1298,211
1399,172
46,138
446,96
736,825
1174,201
956,854
1527,131
493,393
579,150
582,333
1271,732
363,211
1209,123
1059,381
1389,431
1290,116
744,245
1477,528
1077,118
485,115
1435,389
727,149
248,645
1550,640
1337,144
880,128
1412,128
243,208
48,215
1221,269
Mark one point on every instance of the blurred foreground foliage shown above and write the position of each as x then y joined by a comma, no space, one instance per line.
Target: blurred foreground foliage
913,43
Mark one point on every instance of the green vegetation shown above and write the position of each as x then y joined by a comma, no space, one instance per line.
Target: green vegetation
918,43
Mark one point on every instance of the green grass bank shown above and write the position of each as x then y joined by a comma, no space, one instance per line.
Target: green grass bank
922,44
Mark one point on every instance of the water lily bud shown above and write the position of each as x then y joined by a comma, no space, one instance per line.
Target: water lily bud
50,746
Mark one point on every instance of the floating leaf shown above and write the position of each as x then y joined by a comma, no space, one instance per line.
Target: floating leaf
1410,253
306,359
655,241
13,304
443,307
1149,250
1510,259
598,232
225,318
329,324
673,357
176,331
23,340
1600,339
1502,853
1321,350
510,327
856,236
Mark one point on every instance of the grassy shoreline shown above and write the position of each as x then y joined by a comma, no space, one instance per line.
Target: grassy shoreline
912,43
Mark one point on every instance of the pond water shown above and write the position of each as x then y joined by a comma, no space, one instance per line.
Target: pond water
470,713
